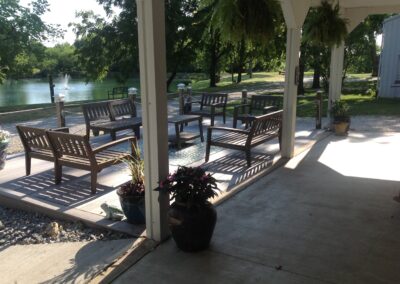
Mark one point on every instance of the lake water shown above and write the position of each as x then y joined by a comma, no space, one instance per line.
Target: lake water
37,91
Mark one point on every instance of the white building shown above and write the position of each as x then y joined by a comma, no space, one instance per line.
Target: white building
389,69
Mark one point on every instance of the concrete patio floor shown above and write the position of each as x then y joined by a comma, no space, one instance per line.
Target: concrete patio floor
327,216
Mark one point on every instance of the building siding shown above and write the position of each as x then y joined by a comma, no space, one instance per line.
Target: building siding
389,69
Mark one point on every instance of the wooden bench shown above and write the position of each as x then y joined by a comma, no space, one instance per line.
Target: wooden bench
111,117
75,151
118,93
259,104
36,144
211,105
263,128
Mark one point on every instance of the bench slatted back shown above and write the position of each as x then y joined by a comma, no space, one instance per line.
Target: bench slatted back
121,108
266,123
70,145
33,138
96,111
258,102
209,99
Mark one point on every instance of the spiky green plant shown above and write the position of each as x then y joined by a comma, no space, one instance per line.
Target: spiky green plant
325,26
136,170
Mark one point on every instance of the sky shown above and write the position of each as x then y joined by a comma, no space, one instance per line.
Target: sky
62,12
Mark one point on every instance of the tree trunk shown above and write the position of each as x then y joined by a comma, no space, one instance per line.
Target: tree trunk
374,55
170,79
242,59
302,67
316,78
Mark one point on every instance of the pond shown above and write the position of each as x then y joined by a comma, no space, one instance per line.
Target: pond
37,91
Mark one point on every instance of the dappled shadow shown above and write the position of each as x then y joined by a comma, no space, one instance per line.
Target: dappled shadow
235,166
72,191
90,260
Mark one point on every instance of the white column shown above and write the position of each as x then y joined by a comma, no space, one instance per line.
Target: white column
152,57
336,72
290,96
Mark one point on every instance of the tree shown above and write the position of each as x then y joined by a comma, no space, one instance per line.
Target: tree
20,27
111,47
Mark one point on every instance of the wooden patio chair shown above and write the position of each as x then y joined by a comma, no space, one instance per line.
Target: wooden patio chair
75,151
258,105
263,129
211,105
36,144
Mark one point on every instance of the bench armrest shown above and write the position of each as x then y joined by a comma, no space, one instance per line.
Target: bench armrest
60,129
240,106
269,109
193,102
114,143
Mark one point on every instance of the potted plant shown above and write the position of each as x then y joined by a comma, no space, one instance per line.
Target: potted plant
131,194
341,117
191,217
4,140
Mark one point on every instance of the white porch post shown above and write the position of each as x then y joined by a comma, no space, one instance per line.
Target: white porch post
294,12
290,94
152,56
336,73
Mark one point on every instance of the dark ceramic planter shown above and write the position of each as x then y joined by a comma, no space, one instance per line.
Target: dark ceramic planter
192,228
3,154
134,209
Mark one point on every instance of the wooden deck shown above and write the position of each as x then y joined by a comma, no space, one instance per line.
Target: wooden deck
73,200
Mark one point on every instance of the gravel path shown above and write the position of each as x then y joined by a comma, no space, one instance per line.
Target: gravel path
21,227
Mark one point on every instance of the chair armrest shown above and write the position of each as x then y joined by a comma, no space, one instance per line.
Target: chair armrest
114,143
228,129
60,129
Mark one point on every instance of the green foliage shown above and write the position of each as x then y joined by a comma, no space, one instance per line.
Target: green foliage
191,186
340,111
136,170
254,20
325,26
20,28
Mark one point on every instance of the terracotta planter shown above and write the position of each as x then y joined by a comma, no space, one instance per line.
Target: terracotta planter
3,154
341,128
192,228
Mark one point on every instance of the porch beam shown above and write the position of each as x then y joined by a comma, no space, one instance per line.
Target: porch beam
151,27
294,12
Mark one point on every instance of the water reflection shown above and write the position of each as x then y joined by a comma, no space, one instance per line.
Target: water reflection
37,91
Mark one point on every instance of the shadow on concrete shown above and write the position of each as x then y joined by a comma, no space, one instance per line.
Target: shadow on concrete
72,191
90,260
235,166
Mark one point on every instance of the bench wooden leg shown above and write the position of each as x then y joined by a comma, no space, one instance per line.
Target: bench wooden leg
27,164
93,182
136,130
224,117
208,146
212,120
113,135
57,173
248,158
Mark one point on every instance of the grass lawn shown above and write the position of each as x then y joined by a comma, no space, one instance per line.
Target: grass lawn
354,95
